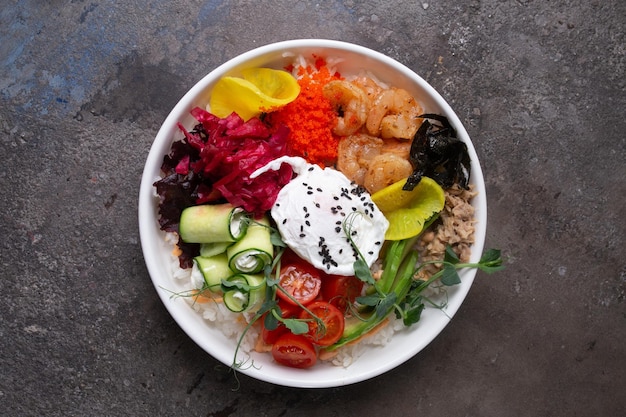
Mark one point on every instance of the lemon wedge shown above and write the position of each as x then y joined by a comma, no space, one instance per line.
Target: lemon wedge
408,211
258,90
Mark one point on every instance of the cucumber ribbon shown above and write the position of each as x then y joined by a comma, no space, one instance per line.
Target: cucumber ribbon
254,251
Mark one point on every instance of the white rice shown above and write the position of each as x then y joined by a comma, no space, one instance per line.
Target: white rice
347,355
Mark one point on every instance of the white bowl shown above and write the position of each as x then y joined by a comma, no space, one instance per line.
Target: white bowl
375,360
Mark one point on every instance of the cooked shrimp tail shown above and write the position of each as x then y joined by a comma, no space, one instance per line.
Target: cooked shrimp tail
354,154
394,114
351,104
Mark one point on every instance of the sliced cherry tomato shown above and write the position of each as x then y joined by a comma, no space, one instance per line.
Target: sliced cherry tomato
299,278
294,351
270,336
287,311
340,290
332,319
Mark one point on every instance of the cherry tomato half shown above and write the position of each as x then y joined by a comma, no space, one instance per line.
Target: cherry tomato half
287,311
294,351
340,290
299,278
331,317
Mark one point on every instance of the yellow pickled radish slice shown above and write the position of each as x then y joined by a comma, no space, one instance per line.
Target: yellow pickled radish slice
259,90
408,211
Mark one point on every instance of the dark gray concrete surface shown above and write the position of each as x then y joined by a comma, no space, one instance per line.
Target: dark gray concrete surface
540,86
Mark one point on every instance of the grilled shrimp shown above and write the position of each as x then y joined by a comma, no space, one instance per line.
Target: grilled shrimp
355,153
384,170
399,147
351,104
371,88
394,115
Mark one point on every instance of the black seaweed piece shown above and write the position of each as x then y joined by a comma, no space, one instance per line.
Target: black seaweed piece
436,152
445,123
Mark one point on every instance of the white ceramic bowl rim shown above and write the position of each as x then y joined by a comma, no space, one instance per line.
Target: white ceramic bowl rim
374,361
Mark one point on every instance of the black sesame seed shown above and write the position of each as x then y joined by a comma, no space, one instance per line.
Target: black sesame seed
302,235
324,253
335,198
284,221
337,229
319,189
307,222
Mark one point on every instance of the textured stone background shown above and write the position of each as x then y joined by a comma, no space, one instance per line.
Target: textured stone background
540,86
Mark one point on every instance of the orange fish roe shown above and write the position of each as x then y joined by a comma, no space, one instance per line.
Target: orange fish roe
310,117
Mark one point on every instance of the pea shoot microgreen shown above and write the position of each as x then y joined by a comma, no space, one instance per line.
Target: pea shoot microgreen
398,291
